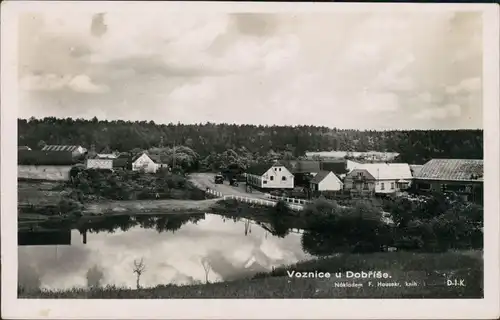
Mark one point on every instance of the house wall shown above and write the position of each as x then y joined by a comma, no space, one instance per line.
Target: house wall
51,173
329,183
278,177
254,180
272,179
99,163
386,186
472,189
144,163
359,180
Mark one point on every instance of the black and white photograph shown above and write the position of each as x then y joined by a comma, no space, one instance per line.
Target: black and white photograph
168,153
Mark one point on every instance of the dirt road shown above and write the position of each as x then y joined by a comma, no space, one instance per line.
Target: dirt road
206,180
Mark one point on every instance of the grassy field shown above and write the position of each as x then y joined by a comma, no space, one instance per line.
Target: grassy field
429,270
40,193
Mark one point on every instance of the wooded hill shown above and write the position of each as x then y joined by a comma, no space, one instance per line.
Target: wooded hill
414,146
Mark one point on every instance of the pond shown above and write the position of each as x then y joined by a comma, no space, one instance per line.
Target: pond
175,249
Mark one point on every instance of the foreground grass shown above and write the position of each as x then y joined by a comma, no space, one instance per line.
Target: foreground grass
429,270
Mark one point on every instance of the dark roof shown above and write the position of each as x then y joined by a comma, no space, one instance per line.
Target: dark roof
301,166
259,169
415,168
60,148
335,166
38,157
451,169
158,158
320,176
138,155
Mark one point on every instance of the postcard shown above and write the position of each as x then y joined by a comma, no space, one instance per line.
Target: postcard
242,160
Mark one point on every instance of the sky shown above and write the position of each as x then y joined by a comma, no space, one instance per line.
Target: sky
354,70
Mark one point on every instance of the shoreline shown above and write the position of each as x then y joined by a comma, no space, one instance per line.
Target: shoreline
405,267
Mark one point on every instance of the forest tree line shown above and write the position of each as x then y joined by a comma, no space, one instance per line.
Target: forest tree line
209,139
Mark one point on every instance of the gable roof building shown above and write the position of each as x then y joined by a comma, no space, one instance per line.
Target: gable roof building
387,171
319,177
326,181
452,170
270,176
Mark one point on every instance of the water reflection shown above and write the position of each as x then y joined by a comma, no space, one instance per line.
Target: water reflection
175,249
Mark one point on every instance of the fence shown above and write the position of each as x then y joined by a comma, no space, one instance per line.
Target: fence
262,202
287,199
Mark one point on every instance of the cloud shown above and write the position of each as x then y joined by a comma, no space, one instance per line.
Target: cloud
112,254
469,86
380,102
448,111
98,27
82,83
303,68
52,82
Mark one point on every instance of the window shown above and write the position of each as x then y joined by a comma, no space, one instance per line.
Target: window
392,185
424,186
283,178
279,169
382,186
365,186
264,182
272,178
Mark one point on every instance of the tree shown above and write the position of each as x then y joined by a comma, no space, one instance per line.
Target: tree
94,277
252,142
206,268
139,269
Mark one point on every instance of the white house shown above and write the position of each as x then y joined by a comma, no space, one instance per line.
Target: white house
97,163
142,162
270,176
379,177
326,181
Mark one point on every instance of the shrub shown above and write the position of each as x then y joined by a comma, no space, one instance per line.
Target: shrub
437,224
331,228
130,185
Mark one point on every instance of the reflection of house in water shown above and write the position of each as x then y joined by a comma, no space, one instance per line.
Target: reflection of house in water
44,238
47,237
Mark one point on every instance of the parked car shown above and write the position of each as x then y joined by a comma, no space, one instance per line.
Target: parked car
219,179
233,182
